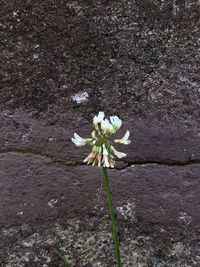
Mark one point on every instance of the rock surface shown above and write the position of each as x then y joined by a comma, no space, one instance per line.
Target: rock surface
61,63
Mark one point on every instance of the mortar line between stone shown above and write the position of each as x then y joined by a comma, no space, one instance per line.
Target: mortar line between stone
53,160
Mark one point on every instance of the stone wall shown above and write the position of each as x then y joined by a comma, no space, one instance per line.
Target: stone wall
61,63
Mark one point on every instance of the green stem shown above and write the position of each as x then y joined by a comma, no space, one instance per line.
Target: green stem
112,217
62,258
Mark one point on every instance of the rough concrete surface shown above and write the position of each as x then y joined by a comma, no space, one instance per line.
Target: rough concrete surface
61,63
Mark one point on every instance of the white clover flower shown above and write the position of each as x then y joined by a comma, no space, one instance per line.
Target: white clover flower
103,151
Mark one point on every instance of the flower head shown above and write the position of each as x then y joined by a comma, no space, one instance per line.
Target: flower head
103,151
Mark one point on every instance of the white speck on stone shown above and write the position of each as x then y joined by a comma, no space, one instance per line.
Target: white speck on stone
162,5
35,56
127,210
152,96
52,138
77,182
80,97
184,218
113,60
15,13
8,114
177,249
175,8
184,79
48,259
52,202
188,4
27,244
20,213
25,138
37,45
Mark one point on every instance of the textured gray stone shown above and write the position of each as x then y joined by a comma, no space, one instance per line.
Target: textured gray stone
61,63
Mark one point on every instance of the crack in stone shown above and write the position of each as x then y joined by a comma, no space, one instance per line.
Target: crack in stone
38,155
128,163
159,162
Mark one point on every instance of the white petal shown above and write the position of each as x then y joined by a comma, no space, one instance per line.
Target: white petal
126,136
119,154
106,126
87,158
93,142
93,134
100,116
77,137
112,163
103,125
99,160
95,120
112,120
116,122
77,142
98,119
105,151
105,160
82,141
124,140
